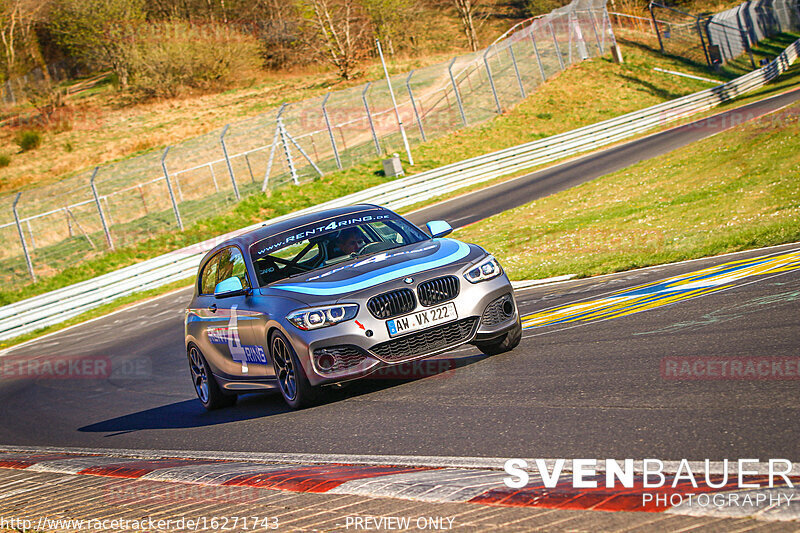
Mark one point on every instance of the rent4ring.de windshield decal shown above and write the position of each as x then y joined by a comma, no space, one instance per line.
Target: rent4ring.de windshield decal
313,230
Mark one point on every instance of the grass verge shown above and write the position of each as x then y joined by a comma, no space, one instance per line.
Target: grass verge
730,192
584,94
503,130
767,49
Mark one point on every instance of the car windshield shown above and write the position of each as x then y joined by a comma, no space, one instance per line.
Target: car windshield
328,242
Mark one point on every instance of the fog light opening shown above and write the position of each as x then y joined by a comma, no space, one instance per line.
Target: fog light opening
508,308
325,361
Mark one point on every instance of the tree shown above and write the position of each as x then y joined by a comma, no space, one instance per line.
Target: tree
471,16
541,7
100,33
281,33
343,29
17,20
390,19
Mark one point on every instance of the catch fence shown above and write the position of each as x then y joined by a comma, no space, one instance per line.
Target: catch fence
50,228
721,37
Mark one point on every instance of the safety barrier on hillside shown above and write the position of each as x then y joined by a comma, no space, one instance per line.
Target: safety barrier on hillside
736,29
62,304
50,228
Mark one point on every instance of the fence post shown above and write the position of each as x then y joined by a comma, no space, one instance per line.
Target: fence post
330,132
272,148
703,42
213,177
394,104
100,209
169,188
286,135
555,43
745,36
571,29
249,168
30,232
655,24
369,118
414,106
228,161
538,56
491,80
455,91
607,27
596,35
287,152
516,69
22,238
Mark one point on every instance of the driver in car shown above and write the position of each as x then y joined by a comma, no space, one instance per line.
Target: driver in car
350,241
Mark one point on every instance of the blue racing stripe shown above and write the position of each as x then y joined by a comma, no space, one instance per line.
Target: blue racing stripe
449,251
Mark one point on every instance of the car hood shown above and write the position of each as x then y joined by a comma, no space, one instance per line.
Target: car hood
359,274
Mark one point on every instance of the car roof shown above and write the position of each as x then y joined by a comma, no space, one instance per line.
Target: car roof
246,239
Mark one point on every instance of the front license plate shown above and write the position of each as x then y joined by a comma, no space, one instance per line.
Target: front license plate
422,319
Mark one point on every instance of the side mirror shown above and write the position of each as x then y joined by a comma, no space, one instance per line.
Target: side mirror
230,287
439,228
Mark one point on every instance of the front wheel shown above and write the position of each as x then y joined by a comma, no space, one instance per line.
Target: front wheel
292,380
506,343
206,387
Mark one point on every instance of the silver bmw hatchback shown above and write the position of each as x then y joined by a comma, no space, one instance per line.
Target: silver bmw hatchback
335,296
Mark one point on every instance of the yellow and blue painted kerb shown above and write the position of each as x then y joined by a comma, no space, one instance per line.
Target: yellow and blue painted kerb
664,292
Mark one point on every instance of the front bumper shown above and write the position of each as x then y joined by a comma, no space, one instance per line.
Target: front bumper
360,347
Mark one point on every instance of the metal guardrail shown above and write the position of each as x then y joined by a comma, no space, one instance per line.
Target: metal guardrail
54,226
62,304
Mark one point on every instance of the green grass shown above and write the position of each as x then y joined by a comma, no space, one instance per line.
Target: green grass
733,191
584,94
769,49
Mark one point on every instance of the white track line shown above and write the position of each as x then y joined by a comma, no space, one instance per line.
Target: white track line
488,463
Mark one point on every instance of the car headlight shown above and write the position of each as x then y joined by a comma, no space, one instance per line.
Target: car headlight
321,317
486,269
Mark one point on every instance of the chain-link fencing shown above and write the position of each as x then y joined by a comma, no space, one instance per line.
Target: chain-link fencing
715,39
735,29
119,204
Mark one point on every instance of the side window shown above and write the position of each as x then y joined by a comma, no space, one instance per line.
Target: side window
231,263
208,279
387,233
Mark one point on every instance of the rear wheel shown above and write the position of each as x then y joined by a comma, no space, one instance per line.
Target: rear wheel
506,343
292,380
206,387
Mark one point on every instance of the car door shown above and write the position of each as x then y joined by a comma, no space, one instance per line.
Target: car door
245,355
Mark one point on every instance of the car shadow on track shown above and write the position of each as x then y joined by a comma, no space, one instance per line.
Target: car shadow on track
191,414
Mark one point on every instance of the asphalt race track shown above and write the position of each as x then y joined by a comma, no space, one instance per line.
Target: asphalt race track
470,208
586,381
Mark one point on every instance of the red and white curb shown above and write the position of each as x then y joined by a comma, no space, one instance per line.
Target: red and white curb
420,479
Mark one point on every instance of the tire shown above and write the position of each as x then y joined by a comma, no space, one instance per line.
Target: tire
206,387
506,343
292,381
